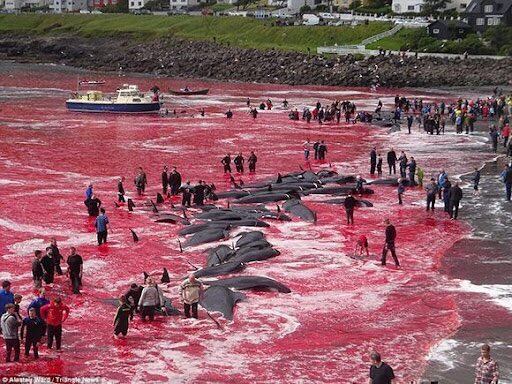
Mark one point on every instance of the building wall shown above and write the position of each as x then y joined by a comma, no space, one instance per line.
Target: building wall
407,6
295,5
136,4
415,6
13,5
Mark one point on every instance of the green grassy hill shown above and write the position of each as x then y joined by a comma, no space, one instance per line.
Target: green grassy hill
238,31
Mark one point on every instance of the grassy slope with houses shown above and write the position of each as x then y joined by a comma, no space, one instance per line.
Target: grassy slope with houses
236,31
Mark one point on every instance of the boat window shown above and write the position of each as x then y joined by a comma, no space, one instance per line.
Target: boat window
136,100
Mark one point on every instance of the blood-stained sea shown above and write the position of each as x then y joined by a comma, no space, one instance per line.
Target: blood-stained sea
340,309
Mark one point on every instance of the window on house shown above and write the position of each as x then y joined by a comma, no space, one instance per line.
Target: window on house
493,21
410,7
488,8
480,21
397,8
463,5
132,3
435,31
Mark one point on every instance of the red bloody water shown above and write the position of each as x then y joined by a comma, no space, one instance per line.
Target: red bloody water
339,310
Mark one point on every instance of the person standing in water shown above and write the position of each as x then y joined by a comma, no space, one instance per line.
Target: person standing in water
120,190
252,162
191,291
389,244
122,317
226,162
239,163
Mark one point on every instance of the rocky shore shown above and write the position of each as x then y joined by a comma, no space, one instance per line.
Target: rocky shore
202,59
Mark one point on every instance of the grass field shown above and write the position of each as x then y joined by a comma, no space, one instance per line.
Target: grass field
238,31
396,41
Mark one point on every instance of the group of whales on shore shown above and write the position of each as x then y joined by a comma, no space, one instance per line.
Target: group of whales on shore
246,208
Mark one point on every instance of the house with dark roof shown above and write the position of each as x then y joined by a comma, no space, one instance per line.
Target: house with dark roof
448,29
482,14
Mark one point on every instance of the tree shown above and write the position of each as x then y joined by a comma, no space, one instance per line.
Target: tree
304,9
120,7
244,3
434,7
355,4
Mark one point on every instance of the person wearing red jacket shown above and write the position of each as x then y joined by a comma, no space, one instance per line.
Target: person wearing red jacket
54,314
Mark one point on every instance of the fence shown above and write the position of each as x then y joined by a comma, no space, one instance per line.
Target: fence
361,50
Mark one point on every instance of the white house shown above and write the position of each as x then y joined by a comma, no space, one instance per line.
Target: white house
13,5
416,6
136,4
59,6
175,5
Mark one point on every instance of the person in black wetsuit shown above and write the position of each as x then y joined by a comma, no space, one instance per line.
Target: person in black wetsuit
226,162
186,189
322,150
165,181
455,198
446,195
34,328
389,244
122,318
392,161
349,204
57,257
48,266
239,163
174,181
412,171
93,206
252,162
75,269
120,190
199,193
403,164
133,297
37,269
373,160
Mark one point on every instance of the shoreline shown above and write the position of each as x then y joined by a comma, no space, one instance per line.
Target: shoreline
178,58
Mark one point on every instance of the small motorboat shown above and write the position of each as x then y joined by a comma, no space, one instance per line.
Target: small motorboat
129,100
187,92
91,82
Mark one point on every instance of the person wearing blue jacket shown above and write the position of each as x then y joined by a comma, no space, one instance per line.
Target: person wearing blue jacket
37,303
6,296
441,179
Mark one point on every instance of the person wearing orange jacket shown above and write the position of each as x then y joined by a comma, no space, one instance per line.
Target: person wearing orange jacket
54,314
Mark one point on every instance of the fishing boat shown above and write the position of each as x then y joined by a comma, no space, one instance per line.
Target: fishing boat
189,92
129,100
